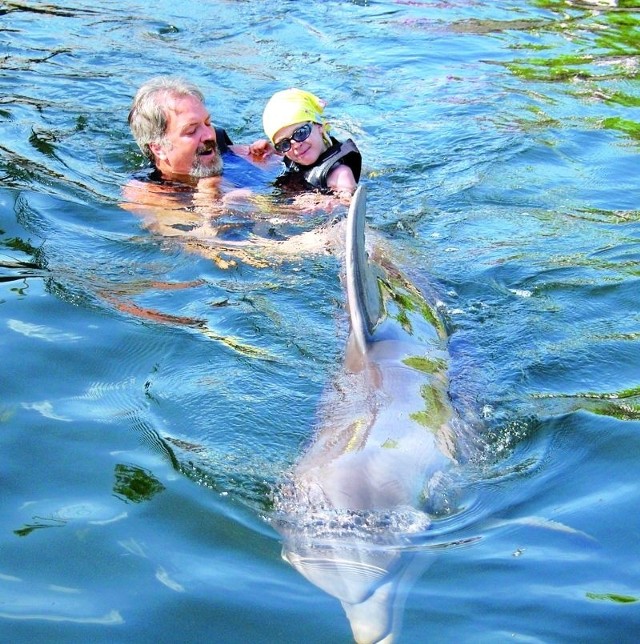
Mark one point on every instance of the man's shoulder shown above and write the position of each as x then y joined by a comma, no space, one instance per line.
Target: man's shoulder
151,179
223,140
143,190
147,174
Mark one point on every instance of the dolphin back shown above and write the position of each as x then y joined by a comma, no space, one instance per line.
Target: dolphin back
356,500
364,300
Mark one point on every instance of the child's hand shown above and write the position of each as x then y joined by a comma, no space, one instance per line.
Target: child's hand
314,201
261,148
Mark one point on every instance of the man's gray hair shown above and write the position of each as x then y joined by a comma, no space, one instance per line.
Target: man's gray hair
148,117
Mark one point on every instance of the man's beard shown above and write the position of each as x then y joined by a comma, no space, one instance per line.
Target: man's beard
213,168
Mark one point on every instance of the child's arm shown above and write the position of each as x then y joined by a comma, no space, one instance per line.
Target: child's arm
259,152
261,148
342,181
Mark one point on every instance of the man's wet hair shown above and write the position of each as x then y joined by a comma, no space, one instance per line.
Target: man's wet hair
148,117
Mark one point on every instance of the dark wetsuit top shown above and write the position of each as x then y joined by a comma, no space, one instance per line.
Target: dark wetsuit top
315,175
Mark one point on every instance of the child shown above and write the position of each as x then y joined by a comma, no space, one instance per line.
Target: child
292,120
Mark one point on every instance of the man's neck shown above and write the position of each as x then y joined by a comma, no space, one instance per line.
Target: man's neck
172,177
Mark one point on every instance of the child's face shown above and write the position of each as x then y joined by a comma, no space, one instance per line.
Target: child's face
304,152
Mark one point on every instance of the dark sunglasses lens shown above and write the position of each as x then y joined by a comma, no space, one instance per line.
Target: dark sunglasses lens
299,135
302,133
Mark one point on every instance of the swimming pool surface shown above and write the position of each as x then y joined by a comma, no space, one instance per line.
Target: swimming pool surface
152,397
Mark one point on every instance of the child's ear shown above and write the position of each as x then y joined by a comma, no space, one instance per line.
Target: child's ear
324,130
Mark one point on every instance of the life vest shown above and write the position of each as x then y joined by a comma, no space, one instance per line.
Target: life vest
317,173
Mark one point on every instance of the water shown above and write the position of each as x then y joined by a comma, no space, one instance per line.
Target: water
500,147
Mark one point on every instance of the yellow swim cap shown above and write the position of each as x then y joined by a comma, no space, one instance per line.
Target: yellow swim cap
288,107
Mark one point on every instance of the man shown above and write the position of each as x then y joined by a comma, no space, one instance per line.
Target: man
195,168
172,126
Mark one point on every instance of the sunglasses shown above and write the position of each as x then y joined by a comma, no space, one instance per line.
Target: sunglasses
299,135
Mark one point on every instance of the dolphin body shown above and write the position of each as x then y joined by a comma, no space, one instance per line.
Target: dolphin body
357,496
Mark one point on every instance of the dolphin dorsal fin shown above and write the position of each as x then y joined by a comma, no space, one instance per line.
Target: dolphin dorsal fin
363,293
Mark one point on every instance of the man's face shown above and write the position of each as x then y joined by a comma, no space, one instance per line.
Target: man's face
189,146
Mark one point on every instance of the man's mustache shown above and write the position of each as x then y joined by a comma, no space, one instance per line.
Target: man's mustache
207,147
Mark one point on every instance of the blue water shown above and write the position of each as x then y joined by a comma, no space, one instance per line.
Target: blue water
500,143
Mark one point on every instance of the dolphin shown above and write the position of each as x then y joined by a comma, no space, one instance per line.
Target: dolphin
361,494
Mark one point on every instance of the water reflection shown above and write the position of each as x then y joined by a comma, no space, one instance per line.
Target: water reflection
135,484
